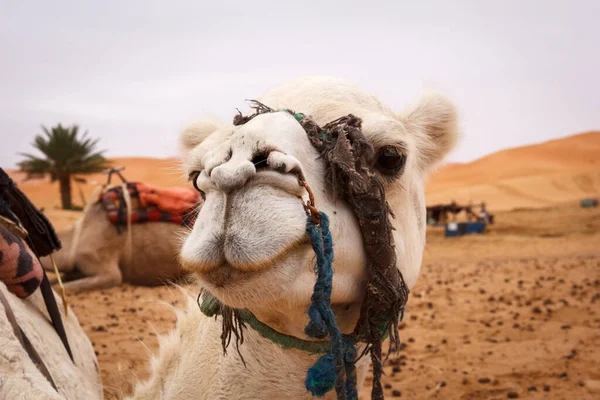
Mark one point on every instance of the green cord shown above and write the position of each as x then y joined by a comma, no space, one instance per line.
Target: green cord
210,307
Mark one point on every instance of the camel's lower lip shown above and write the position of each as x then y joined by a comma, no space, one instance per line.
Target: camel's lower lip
226,273
223,275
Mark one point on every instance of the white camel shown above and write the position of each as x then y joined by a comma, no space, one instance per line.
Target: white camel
44,352
20,378
249,248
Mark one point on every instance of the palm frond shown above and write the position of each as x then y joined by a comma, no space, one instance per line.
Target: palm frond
65,151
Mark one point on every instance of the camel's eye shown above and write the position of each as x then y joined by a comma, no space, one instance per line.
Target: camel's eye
390,160
193,176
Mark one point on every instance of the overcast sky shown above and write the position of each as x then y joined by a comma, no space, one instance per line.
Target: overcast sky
135,72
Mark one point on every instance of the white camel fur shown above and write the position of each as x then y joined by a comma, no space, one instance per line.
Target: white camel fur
249,248
21,379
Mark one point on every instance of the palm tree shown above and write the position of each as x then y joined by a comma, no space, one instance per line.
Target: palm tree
65,154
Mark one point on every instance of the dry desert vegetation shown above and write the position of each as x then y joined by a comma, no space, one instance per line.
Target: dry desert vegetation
513,313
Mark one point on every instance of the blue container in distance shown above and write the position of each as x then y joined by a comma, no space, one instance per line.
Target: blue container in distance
452,229
475,227
464,228
588,203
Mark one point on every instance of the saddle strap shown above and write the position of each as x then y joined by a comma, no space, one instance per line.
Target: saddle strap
33,354
52,307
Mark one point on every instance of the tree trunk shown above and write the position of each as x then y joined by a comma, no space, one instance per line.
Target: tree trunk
64,182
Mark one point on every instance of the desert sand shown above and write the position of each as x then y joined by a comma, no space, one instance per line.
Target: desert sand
512,313
539,175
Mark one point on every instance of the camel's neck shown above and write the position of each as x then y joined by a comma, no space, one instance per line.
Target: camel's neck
271,370
295,354
191,360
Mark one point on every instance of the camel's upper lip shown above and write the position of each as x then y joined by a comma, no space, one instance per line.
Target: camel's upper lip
289,182
242,230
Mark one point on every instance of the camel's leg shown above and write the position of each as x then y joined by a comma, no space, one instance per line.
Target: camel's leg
107,279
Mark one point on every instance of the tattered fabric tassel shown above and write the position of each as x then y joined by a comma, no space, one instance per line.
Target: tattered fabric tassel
232,324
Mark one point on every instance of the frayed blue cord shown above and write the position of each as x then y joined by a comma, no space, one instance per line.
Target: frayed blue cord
330,369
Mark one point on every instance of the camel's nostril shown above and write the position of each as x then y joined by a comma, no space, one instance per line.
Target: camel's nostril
260,160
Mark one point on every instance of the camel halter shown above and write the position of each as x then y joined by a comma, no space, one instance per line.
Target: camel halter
348,157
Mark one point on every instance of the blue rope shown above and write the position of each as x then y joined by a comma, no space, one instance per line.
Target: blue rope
331,369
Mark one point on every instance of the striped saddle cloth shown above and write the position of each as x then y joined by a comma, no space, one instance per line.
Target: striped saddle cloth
150,203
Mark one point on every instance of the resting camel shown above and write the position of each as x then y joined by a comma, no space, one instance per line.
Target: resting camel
101,259
249,246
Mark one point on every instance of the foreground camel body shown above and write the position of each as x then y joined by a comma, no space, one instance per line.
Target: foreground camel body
21,379
249,247
101,259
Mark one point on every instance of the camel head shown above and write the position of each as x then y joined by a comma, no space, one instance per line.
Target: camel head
249,246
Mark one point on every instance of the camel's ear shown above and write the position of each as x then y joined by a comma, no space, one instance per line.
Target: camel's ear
195,134
433,119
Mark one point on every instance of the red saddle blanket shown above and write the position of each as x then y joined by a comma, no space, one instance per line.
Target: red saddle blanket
151,203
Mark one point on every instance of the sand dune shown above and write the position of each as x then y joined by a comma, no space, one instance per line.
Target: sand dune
539,175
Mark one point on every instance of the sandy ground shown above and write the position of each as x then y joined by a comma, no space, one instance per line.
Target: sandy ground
514,312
